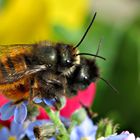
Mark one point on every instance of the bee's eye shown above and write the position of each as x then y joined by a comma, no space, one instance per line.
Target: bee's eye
49,65
68,61
85,78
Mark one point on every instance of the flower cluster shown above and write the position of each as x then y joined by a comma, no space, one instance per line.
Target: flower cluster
24,121
19,111
18,114
86,130
71,123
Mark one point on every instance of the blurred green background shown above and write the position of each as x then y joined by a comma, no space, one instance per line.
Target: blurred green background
117,22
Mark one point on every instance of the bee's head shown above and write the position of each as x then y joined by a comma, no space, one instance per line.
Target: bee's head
89,71
68,55
84,74
67,58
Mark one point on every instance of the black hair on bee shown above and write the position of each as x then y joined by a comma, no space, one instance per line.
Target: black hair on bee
45,69
59,57
50,85
62,61
84,74
69,71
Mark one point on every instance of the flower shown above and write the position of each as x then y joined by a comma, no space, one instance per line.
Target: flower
3,100
16,132
29,131
39,18
74,103
123,136
85,131
19,111
41,128
48,102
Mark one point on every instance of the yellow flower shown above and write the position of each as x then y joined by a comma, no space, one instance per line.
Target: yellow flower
27,21
70,14
22,20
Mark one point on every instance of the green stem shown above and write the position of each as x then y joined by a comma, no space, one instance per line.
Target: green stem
54,116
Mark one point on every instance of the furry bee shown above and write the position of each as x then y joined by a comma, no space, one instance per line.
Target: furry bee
84,74
41,69
20,65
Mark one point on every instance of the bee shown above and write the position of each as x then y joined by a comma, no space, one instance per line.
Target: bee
85,73
21,64
43,68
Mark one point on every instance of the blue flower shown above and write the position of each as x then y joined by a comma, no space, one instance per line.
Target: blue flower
86,130
123,136
49,102
16,132
19,111
29,131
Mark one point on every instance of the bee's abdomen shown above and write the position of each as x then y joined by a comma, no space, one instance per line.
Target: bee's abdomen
11,66
3,71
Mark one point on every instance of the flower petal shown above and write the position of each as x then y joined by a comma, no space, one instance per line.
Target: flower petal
74,135
4,133
37,100
87,127
89,93
20,113
17,130
85,130
7,111
43,114
29,130
72,104
3,100
49,102
6,123
122,136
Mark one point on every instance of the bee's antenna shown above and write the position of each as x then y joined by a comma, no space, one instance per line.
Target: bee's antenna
91,55
99,45
109,84
86,31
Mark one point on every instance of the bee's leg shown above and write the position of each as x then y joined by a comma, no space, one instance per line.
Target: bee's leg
31,91
19,101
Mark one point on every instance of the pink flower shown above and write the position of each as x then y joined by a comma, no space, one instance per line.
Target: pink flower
85,97
3,100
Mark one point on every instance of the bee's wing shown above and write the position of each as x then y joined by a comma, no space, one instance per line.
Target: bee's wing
15,53
19,75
